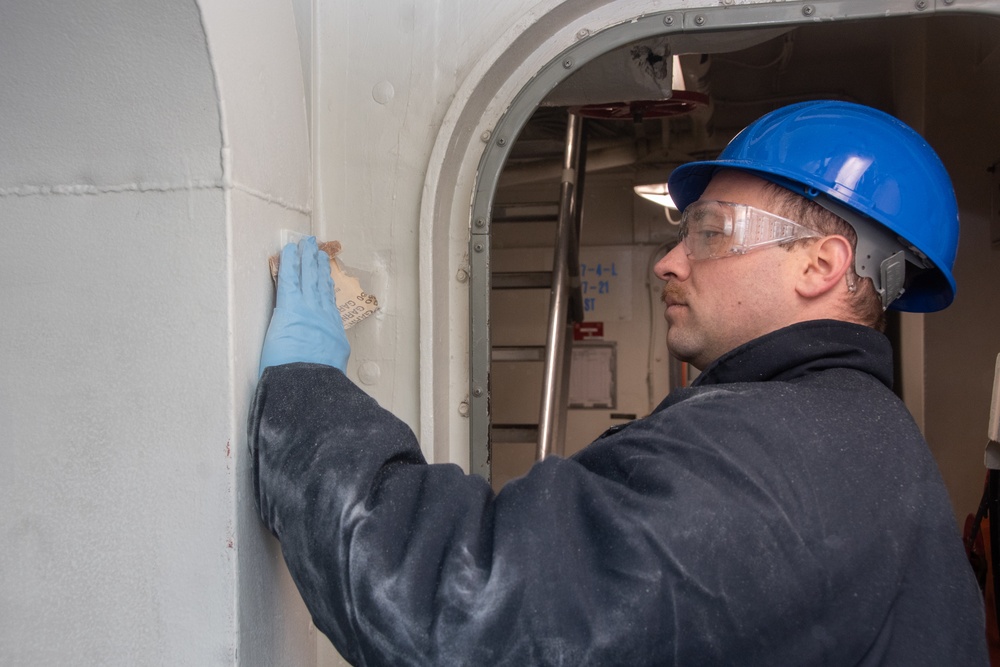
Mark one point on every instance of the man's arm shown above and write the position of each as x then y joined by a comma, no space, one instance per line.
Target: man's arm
404,563
360,531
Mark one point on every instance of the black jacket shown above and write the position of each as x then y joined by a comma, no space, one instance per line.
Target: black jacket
785,510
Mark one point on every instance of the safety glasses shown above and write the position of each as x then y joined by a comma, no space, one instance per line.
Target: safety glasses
712,229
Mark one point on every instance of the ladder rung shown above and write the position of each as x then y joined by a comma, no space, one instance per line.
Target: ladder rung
514,433
522,280
526,213
518,353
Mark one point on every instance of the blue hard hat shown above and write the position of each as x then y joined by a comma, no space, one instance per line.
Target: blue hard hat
862,164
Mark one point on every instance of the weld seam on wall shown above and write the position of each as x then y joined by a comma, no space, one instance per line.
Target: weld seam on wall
79,189
272,199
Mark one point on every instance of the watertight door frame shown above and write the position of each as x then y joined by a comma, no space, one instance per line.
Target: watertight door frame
509,79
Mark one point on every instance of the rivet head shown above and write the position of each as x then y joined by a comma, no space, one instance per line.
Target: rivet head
477,392
583,34
479,247
369,373
480,222
383,92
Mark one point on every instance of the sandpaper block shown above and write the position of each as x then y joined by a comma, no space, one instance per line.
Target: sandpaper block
353,302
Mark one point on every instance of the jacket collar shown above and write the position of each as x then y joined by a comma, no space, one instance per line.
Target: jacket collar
801,349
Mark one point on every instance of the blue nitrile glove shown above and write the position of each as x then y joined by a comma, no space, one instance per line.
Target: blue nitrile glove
306,324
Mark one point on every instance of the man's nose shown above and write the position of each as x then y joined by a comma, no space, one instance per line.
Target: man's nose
674,264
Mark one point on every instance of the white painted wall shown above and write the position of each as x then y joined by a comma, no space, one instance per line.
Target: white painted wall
151,151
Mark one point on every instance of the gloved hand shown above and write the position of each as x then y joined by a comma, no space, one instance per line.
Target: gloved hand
306,324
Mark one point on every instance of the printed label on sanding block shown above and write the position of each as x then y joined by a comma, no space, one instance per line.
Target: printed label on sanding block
354,303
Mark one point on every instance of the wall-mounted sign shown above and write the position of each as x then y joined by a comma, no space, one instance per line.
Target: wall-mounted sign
606,283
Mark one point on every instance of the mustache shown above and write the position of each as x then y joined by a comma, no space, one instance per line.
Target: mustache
672,293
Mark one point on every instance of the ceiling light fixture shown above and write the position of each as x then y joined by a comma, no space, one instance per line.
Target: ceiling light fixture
658,194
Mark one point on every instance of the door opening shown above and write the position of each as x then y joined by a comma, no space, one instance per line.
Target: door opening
743,69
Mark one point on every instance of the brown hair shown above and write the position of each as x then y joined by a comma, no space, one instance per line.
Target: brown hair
864,303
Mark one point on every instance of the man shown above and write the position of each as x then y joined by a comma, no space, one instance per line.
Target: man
784,510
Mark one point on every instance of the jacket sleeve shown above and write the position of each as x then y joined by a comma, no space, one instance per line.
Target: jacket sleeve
404,563
344,487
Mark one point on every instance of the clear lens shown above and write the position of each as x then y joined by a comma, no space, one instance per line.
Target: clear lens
711,229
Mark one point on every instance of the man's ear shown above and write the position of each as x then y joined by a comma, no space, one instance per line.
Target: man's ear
825,262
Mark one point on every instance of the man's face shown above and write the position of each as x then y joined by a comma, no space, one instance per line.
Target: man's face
715,305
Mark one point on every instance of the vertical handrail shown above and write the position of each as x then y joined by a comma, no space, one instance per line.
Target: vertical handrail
575,293
573,254
555,346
